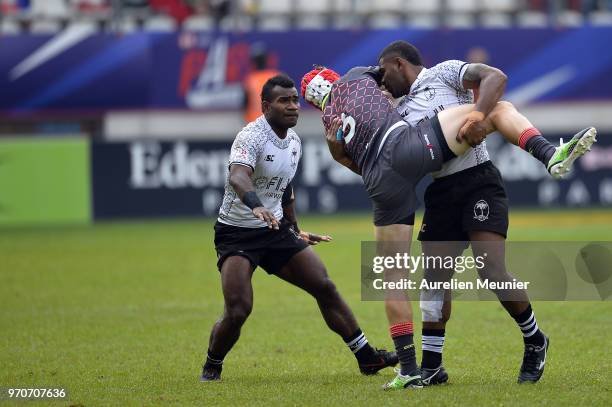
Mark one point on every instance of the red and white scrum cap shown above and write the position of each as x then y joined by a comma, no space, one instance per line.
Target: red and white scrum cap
317,84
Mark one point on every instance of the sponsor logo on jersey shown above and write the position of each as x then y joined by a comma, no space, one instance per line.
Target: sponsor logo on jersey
294,157
429,146
260,182
269,157
430,93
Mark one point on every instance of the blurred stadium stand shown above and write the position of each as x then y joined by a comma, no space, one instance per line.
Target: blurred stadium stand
21,18
44,16
171,72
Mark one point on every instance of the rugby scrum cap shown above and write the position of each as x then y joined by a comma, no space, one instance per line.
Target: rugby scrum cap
317,84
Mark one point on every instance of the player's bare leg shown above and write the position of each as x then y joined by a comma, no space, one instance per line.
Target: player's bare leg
390,240
306,271
518,130
236,274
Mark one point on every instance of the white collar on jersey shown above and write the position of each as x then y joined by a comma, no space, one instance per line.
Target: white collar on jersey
272,136
418,80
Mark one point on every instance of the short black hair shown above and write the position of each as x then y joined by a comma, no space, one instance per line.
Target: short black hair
282,80
404,50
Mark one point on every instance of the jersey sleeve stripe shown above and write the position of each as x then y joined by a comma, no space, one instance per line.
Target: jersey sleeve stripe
462,71
240,163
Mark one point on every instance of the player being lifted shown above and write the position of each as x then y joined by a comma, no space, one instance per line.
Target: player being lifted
257,227
449,225
392,157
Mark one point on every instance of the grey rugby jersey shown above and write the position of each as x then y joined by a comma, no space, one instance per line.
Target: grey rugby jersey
434,90
274,162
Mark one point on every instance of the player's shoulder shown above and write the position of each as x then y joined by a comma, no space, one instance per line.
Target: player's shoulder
293,136
451,66
254,135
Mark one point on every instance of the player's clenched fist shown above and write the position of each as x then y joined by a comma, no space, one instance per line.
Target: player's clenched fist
474,130
335,140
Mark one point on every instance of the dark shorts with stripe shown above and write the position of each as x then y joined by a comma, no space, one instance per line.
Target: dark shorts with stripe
407,155
470,200
267,248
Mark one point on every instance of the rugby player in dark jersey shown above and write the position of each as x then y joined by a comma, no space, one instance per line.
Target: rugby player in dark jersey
391,157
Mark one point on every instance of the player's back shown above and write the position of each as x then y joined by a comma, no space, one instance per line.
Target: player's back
365,111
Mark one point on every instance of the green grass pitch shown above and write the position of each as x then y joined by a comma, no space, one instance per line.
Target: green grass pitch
119,315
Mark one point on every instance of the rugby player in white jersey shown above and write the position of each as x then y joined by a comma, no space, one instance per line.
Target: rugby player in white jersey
257,227
464,185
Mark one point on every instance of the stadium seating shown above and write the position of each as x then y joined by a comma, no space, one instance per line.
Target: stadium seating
275,7
387,6
422,20
385,21
9,26
50,9
45,26
50,16
462,6
601,18
274,23
496,20
569,18
199,23
236,23
312,14
160,23
311,22
460,20
532,19
418,6
500,5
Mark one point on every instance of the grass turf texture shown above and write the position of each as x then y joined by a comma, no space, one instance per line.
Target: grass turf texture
119,314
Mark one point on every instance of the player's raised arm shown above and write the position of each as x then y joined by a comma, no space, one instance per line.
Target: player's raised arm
489,84
240,180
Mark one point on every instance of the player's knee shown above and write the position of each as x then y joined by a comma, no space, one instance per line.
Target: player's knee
238,311
494,271
503,107
326,289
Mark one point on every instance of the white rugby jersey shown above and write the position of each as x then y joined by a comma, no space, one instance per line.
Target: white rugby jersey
434,90
274,162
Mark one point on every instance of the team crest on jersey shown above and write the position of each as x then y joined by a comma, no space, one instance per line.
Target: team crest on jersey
429,93
481,210
294,157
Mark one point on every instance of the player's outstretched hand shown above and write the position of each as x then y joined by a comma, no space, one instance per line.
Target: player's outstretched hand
267,216
313,239
335,139
473,131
